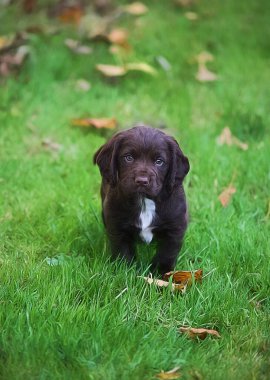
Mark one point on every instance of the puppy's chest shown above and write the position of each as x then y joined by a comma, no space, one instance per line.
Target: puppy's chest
146,217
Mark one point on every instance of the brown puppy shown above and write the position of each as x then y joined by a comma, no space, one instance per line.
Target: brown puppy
142,194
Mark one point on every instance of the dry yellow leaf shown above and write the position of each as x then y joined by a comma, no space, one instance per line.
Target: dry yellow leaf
71,14
135,9
226,137
103,123
165,284
199,333
205,75
226,195
204,57
117,71
141,66
111,70
119,36
192,16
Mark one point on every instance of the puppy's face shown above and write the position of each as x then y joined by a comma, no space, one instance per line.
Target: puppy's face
142,160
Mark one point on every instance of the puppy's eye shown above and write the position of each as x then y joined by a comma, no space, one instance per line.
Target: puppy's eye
129,158
159,162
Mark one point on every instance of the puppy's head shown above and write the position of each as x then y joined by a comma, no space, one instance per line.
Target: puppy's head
142,160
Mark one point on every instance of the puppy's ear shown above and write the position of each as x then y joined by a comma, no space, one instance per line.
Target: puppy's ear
106,159
179,165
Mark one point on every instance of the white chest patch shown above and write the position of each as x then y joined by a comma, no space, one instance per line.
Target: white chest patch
146,217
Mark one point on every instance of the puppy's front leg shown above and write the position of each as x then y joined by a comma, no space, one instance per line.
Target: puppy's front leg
169,245
122,246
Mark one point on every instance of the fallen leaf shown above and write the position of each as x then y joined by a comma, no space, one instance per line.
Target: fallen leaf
192,16
118,36
83,85
205,75
204,57
135,9
70,14
226,195
184,277
144,67
199,333
76,47
111,70
116,71
94,27
104,123
165,284
169,375
226,138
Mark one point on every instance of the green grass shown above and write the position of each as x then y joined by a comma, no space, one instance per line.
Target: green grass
88,318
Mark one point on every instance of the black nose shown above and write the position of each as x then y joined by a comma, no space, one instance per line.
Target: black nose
142,181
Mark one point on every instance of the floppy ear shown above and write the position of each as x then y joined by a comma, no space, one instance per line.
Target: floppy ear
179,166
106,159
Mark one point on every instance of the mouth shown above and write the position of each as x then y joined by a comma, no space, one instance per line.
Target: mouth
144,191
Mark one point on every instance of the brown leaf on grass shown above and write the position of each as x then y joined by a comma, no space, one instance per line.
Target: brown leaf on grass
76,47
226,195
103,123
135,9
118,36
191,16
205,75
111,70
204,57
117,71
226,138
169,375
194,333
70,14
184,277
95,27
165,284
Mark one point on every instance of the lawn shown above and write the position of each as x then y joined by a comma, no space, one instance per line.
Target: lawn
67,311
